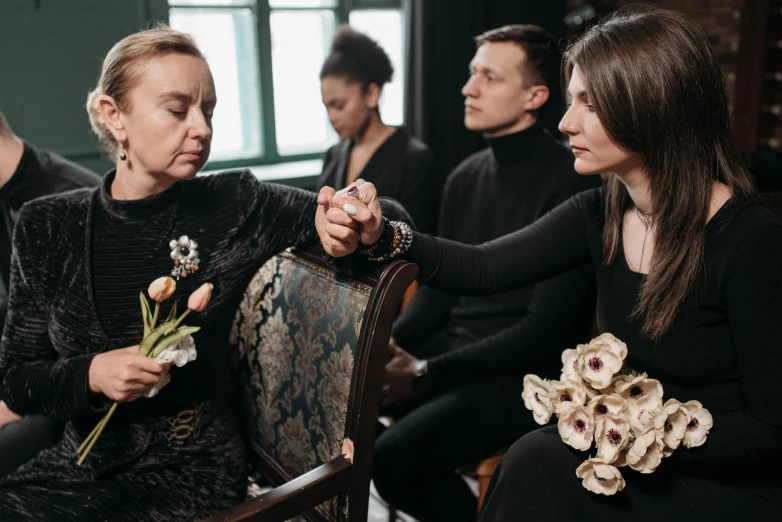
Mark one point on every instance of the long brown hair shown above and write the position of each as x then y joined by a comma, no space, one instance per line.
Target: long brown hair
657,88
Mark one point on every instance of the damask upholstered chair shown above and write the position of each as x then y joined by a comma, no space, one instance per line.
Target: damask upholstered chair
312,347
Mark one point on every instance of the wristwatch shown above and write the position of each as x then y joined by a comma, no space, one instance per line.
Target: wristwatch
422,379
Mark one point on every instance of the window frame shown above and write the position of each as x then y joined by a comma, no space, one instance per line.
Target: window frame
261,11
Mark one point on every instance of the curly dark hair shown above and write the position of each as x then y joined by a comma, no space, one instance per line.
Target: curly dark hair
358,58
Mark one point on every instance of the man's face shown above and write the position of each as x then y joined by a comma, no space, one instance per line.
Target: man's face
496,93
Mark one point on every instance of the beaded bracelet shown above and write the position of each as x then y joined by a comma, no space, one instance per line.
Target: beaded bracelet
403,240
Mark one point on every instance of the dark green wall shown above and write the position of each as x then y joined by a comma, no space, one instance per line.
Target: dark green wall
50,57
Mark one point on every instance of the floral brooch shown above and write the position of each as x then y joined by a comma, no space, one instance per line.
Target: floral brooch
185,255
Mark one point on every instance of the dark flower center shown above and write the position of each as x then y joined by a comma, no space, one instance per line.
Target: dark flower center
595,363
598,478
693,424
614,437
602,409
636,391
579,425
668,427
184,250
565,397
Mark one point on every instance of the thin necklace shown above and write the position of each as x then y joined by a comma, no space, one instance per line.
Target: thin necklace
646,219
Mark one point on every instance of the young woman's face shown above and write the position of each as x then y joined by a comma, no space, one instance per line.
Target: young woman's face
169,121
348,104
595,151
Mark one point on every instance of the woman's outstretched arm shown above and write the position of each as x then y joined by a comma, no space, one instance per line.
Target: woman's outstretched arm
555,243
567,237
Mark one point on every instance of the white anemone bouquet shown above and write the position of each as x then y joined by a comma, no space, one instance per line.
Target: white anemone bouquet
624,415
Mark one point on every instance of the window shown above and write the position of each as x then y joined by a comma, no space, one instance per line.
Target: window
265,57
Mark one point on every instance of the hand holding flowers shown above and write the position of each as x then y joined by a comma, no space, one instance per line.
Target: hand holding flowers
623,414
127,374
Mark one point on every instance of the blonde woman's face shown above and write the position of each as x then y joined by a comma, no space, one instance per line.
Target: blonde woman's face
169,122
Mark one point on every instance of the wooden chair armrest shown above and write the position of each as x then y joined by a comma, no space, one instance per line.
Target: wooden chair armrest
294,497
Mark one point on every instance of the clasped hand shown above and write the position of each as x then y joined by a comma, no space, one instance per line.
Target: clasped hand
343,221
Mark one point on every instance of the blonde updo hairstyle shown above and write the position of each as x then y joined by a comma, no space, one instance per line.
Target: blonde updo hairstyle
122,70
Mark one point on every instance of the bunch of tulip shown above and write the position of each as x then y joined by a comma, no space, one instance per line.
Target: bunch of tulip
167,342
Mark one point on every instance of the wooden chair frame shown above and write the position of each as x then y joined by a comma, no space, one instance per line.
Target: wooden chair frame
300,495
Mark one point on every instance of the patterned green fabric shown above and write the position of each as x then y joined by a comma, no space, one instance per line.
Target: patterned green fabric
296,331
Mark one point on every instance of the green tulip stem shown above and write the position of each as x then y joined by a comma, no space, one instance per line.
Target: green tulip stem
102,425
155,316
179,321
91,435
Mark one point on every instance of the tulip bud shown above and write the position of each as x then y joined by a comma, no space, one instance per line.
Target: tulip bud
161,289
200,298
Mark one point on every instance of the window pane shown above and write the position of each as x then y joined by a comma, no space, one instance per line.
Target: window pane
191,3
300,41
227,39
386,27
302,3
241,3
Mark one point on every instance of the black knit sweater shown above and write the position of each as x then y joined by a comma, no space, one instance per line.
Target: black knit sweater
518,179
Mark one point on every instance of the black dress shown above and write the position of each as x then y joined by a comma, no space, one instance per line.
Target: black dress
80,260
402,168
723,349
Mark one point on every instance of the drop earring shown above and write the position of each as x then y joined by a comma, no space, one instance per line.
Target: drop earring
122,156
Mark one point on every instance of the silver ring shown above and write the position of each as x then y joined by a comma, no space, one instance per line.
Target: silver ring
353,193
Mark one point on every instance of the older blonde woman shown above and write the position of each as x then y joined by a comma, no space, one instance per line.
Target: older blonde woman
79,262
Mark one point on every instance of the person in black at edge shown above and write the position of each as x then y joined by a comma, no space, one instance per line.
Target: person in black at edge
688,275
453,383
402,167
26,173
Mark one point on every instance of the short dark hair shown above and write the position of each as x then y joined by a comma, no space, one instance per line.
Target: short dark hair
358,58
544,57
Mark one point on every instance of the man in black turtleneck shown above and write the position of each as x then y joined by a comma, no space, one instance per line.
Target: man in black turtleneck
457,399
27,173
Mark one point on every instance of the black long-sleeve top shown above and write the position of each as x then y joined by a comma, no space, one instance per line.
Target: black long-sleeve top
494,192
402,168
39,173
725,345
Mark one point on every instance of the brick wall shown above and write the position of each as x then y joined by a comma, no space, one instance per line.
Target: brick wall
720,19
759,100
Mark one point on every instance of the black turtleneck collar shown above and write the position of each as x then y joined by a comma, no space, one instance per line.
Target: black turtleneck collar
136,209
516,147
